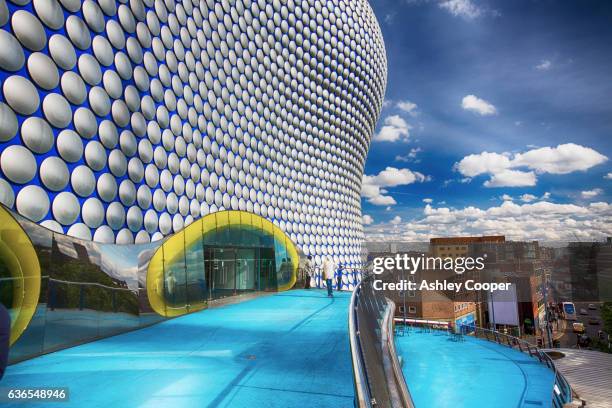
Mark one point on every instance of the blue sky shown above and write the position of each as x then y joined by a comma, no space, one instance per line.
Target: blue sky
501,115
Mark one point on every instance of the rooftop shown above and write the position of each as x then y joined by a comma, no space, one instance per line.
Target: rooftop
287,349
473,373
589,373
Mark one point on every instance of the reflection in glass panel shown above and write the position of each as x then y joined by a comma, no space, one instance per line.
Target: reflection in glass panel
196,283
245,269
174,279
227,253
87,290
63,291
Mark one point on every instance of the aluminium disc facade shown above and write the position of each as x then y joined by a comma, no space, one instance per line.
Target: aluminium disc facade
123,121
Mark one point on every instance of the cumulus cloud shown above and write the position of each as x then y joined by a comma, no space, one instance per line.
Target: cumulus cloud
392,177
373,187
544,65
428,200
563,159
505,169
477,105
382,200
408,107
485,162
512,178
541,220
367,219
461,8
608,176
591,193
411,156
507,197
395,128
396,220
527,198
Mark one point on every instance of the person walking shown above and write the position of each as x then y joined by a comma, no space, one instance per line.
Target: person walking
309,272
339,273
328,275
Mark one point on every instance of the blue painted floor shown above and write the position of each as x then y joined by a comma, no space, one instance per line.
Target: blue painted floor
475,373
286,350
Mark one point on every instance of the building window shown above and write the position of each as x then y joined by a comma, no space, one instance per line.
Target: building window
412,309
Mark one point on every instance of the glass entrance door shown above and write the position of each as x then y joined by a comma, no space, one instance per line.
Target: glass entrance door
246,270
234,270
267,270
220,269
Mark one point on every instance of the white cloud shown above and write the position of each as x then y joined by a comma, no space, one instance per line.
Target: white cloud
428,200
591,193
411,156
396,220
545,196
392,177
504,168
408,107
382,200
512,178
477,105
373,187
395,128
532,221
462,8
507,197
544,65
563,159
527,198
608,176
367,219
485,162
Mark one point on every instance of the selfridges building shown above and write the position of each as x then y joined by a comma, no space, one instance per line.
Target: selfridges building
124,121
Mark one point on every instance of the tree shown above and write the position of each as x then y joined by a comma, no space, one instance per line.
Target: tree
606,317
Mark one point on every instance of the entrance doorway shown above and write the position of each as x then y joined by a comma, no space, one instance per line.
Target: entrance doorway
230,271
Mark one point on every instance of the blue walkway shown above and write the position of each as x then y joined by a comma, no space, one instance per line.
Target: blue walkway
475,373
286,350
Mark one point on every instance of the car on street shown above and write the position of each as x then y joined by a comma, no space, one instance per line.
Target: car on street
592,306
593,321
584,312
578,327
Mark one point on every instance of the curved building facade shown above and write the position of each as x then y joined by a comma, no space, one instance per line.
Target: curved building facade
124,121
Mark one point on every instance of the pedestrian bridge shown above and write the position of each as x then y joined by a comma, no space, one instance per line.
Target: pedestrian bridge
280,350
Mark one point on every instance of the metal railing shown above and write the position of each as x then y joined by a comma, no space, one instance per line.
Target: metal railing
562,391
378,378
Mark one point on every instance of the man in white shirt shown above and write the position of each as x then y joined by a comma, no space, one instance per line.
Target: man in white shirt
329,268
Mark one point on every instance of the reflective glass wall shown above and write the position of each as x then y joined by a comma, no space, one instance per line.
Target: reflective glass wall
61,291
224,254
85,290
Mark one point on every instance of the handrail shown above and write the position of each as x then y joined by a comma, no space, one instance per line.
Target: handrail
377,374
401,388
362,392
562,391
